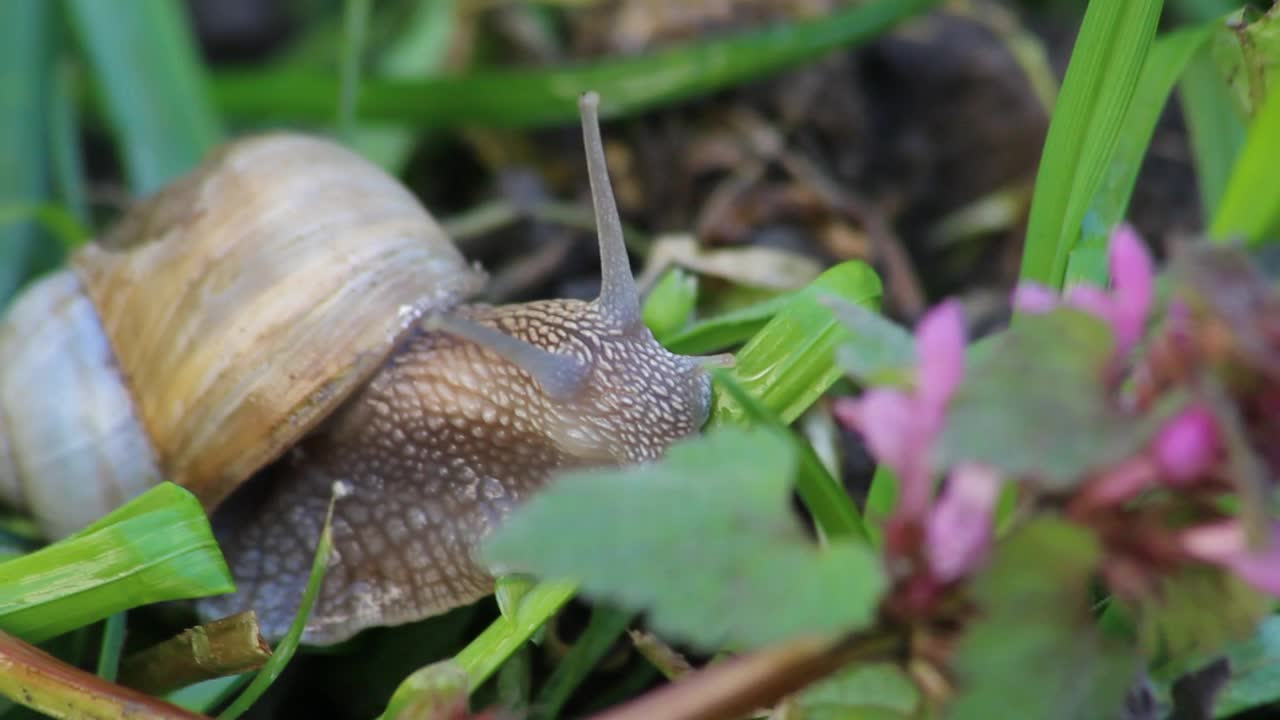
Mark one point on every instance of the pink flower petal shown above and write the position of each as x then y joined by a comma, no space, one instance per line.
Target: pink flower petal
1188,445
958,531
940,340
1133,276
885,420
1034,298
1224,544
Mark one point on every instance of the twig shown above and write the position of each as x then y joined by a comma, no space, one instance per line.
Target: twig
229,646
728,690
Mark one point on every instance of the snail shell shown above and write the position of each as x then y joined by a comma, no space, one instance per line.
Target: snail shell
215,325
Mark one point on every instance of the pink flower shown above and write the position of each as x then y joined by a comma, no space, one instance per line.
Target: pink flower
1182,451
1125,308
899,426
1224,543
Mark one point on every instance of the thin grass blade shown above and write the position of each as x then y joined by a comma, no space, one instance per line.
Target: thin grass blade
605,627
288,645
151,84
1096,94
155,548
355,25
527,98
25,43
111,646
1165,63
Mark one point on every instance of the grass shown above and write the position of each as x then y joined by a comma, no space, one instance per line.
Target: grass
137,85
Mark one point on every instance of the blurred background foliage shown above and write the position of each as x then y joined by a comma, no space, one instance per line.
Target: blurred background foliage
753,142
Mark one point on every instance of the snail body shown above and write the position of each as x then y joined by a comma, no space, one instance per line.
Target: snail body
287,317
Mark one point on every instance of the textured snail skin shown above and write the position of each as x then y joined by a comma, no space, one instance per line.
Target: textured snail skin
443,442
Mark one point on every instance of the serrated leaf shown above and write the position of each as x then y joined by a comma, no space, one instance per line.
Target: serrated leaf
1036,406
1035,651
882,352
1255,670
704,540
1177,634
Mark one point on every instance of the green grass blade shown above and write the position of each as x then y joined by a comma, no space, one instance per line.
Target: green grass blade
355,24
283,652
727,329
483,655
1165,63
791,362
157,547
1100,83
112,645
151,83
1214,127
606,625
1250,206
524,98
25,43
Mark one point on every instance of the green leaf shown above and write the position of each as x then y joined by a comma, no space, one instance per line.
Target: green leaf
727,329
26,32
1247,53
1034,652
669,305
704,541
1214,127
1096,93
1036,405
548,96
1250,206
791,362
152,85
157,547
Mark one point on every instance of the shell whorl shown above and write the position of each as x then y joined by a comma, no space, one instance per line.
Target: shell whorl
71,446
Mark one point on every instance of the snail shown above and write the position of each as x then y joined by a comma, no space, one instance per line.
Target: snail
287,318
